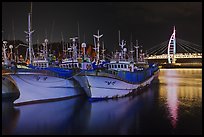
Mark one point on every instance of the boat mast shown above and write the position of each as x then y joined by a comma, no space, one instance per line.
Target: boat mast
4,52
98,46
83,45
63,46
14,43
79,39
122,44
122,48
131,48
74,48
136,47
29,32
103,51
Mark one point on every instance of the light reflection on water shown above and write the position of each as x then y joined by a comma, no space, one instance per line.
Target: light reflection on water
171,105
180,88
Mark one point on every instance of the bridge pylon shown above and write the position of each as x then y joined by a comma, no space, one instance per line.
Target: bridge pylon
172,47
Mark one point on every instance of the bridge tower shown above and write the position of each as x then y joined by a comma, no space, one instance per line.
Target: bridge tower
172,47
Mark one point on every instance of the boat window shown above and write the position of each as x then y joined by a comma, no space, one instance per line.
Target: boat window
75,65
115,66
121,65
118,65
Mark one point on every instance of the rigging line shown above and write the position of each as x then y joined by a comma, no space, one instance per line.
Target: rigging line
13,32
191,48
191,43
51,35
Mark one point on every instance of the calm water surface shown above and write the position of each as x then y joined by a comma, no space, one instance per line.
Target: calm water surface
171,105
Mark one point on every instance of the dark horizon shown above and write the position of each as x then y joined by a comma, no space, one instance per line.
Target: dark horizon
151,23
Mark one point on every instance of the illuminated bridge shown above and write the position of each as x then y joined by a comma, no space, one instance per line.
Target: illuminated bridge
175,51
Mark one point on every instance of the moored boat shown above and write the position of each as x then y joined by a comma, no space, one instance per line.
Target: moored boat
122,76
39,81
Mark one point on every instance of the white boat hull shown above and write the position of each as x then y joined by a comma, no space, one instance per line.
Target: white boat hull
108,87
9,89
37,87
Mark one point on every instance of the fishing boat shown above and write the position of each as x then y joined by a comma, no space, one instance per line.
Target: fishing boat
74,60
38,81
121,77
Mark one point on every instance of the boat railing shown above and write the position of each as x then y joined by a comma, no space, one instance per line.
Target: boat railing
120,60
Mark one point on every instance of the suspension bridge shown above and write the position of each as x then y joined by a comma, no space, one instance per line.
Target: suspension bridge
176,52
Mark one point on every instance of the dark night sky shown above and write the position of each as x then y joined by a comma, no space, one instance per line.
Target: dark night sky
149,22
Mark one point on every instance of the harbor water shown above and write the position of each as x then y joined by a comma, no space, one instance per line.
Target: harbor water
172,104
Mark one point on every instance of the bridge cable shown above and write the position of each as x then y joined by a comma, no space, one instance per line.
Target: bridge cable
162,44
190,48
190,43
182,47
156,50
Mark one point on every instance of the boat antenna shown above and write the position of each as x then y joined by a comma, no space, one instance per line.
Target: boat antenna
14,40
51,35
63,47
79,39
38,50
119,38
31,11
84,37
136,47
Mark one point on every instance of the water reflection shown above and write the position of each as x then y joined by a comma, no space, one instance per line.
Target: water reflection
171,105
79,116
178,88
44,118
172,100
10,117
